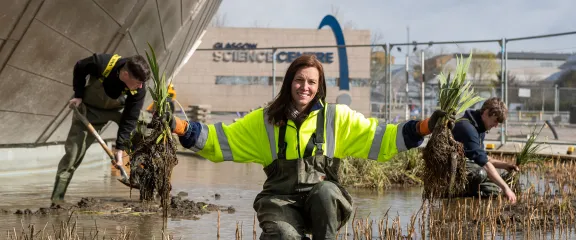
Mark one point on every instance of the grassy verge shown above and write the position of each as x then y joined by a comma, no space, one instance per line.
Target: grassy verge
406,168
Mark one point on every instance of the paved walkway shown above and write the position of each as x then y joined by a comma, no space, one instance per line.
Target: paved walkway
549,149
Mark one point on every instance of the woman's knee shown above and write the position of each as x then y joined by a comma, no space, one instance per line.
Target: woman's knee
279,230
325,189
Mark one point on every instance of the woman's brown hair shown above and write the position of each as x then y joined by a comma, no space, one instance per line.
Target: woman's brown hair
281,108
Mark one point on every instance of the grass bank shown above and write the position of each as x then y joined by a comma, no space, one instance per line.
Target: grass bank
405,168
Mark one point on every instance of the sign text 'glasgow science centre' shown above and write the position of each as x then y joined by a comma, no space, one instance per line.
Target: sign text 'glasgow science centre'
245,52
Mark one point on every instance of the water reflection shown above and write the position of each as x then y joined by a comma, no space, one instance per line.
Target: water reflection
236,183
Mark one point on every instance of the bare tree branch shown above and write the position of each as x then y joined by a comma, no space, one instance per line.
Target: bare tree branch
335,11
219,20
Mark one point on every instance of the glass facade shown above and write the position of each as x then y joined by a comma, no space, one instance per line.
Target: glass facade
267,80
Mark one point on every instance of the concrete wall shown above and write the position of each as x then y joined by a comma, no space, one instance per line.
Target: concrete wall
196,82
45,159
40,40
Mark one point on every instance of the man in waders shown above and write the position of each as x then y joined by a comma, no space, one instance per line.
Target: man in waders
470,130
106,88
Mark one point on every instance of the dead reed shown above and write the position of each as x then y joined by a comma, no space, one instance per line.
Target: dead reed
545,210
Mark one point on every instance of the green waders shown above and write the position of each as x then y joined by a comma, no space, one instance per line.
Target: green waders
303,195
478,182
99,109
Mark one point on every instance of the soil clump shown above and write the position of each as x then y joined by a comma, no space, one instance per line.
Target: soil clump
179,207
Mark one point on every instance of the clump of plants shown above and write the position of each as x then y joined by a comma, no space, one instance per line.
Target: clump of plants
444,160
527,155
154,149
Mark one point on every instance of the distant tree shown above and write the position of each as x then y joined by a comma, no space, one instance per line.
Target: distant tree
483,65
511,78
377,68
335,11
219,20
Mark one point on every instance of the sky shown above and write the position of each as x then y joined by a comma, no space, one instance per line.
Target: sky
431,20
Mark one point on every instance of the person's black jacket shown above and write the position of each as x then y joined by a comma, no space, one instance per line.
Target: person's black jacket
113,86
470,131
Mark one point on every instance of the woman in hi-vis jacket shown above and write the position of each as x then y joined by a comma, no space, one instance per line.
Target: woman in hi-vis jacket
299,139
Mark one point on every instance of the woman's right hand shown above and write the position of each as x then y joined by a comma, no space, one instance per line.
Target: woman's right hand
74,102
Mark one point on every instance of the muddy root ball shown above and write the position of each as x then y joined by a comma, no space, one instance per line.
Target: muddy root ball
445,165
152,163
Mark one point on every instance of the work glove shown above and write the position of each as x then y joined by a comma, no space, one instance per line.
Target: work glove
439,114
426,126
177,125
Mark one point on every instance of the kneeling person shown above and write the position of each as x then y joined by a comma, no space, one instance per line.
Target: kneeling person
470,130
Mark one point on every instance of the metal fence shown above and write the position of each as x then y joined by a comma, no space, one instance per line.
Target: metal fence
409,90
532,86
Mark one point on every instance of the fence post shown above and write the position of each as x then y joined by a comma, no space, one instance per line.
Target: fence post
502,86
422,85
506,90
388,86
382,109
556,100
541,115
390,83
406,107
543,99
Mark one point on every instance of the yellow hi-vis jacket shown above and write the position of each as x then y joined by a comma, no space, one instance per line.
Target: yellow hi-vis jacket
347,133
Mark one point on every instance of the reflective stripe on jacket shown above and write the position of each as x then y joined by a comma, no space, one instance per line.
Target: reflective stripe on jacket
347,134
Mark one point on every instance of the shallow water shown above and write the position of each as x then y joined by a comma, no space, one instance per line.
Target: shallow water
236,183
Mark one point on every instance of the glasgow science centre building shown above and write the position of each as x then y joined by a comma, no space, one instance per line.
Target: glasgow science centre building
232,73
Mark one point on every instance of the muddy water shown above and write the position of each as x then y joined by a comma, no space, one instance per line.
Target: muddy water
237,185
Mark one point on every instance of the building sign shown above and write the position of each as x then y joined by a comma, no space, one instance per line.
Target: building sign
242,56
246,52
240,45
524,92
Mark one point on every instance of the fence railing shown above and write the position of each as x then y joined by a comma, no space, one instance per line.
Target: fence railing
563,117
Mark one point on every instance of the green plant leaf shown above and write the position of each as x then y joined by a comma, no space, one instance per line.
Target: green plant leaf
160,137
467,104
457,95
529,152
159,92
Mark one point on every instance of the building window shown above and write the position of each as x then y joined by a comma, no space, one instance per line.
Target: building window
242,80
354,82
278,80
359,82
546,64
331,81
267,81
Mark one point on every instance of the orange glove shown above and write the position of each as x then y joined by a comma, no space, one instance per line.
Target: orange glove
422,127
426,126
178,126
